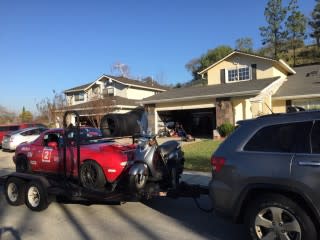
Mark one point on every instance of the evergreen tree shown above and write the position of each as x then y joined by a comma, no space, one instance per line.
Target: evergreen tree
296,27
26,116
273,34
244,44
315,23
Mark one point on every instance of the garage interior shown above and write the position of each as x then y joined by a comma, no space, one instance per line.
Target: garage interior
197,122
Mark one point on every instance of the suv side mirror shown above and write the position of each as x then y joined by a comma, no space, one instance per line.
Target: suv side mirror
53,145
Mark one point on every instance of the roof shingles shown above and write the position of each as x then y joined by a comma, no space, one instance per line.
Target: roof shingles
305,83
252,87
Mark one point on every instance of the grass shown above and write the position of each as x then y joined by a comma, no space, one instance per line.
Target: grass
198,155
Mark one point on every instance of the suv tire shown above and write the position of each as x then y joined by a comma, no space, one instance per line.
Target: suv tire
270,213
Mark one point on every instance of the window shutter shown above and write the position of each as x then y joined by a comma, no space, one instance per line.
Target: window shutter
254,71
223,76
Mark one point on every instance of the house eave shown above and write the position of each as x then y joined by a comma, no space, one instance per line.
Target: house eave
281,62
191,98
291,97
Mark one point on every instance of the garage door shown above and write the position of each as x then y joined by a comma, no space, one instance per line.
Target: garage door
197,122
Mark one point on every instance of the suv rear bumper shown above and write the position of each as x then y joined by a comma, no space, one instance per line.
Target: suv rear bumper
221,195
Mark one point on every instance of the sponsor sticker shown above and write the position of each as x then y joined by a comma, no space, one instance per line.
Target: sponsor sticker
46,154
25,149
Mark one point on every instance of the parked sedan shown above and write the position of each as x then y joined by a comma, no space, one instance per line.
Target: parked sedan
13,139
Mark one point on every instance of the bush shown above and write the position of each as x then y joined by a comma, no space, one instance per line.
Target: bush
225,129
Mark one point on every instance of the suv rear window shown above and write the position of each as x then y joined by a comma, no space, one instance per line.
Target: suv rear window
315,137
290,137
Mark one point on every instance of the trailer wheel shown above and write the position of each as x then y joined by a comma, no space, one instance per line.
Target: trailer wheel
36,197
92,176
22,164
14,191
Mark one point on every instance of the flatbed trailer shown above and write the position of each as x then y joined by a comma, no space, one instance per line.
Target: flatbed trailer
38,190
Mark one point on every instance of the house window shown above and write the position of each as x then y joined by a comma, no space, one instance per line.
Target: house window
110,91
79,97
239,74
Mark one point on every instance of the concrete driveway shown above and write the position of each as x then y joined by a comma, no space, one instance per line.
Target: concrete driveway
157,219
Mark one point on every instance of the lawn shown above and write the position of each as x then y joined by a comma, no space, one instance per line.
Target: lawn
198,155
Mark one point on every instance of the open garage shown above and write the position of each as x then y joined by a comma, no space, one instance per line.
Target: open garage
197,122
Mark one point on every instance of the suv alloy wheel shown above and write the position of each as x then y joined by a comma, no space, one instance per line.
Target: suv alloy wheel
273,216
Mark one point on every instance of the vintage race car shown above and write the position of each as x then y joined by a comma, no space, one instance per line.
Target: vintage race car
102,162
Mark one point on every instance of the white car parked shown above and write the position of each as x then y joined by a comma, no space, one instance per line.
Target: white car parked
13,139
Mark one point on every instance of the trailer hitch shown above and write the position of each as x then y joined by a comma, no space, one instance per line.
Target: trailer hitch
186,190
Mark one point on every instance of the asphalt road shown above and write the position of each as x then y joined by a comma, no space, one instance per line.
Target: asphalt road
158,219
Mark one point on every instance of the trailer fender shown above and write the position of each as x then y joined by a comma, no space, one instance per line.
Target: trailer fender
139,168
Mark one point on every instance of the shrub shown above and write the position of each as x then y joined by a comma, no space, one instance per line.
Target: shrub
225,129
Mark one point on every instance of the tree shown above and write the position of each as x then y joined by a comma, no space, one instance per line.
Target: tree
96,109
51,110
244,44
273,34
296,27
213,55
6,116
120,69
26,116
315,23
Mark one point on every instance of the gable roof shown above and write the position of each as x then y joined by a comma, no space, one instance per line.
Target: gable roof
115,100
304,84
282,63
122,80
245,88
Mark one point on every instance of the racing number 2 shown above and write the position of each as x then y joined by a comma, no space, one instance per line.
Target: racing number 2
46,155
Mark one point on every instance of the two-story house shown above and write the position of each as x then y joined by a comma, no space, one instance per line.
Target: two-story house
240,86
109,94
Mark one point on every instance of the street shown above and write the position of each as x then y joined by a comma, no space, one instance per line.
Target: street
157,219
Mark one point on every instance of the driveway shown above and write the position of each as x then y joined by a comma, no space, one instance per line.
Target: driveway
157,219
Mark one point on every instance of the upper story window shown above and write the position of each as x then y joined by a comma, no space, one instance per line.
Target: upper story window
238,74
110,91
79,96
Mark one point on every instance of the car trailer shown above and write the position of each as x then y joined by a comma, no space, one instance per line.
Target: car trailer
37,190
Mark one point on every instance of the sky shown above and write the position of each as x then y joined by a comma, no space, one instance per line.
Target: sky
58,44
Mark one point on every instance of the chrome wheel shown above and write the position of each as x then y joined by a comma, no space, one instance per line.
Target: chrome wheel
278,224
13,192
33,196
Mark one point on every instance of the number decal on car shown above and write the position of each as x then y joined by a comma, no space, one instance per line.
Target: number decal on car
46,155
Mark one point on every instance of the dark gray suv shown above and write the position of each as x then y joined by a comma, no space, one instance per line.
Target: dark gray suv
267,174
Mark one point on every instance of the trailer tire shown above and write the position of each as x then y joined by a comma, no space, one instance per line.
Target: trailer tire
92,176
36,197
15,191
22,164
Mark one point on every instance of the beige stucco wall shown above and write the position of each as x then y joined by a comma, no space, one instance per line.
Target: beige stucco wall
135,93
265,68
238,109
279,106
241,108
207,103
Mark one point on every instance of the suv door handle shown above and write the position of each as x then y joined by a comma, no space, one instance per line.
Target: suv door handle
309,163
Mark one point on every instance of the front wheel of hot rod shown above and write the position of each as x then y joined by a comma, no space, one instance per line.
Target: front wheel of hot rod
137,182
92,176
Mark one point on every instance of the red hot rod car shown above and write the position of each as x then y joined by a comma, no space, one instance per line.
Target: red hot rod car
102,162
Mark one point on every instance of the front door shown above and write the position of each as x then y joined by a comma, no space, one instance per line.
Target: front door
50,158
306,166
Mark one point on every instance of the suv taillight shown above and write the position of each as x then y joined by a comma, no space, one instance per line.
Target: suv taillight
217,163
